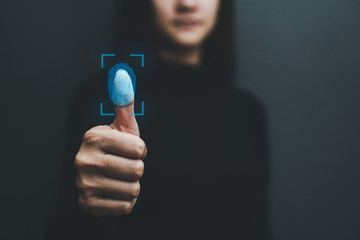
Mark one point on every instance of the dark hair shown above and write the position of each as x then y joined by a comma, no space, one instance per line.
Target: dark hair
136,31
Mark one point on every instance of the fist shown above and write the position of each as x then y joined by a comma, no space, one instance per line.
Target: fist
109,165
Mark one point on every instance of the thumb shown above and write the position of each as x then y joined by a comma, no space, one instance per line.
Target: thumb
121,91
125,121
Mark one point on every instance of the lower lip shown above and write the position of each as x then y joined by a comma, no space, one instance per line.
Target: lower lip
186,25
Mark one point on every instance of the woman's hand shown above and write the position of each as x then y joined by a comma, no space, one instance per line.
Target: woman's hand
109,165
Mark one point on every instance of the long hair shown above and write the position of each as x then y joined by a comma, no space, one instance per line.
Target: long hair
136,31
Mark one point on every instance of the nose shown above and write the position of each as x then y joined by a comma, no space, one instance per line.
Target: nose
184,6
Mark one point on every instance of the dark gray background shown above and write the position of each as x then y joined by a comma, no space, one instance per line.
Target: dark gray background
301,58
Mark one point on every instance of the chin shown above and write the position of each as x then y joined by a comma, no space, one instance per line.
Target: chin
188,41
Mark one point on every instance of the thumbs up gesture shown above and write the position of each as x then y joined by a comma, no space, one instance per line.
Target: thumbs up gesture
109,163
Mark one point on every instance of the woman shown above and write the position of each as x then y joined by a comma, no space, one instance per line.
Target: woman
203,143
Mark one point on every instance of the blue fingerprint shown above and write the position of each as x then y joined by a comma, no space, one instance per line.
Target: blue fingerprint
121,84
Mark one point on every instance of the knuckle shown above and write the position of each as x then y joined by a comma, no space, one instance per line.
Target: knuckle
80,160
92,137
127,209
84,185
86,204
139,148
138,169
89,205
135,190
87,160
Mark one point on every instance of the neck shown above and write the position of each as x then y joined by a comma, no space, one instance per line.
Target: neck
188,57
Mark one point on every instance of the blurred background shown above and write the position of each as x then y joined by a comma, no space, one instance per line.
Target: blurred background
301,58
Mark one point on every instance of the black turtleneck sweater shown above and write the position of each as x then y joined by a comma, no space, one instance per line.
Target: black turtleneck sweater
206,169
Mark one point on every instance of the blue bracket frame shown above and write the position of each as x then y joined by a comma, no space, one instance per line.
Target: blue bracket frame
102,66
113,55
105,114
142,111
113,114
105,55
139,55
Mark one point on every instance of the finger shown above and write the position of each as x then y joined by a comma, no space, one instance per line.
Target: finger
107,207
117,189
120,143
122,93
122,168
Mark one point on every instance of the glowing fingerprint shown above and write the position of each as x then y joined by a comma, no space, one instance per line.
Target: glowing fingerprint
121,84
